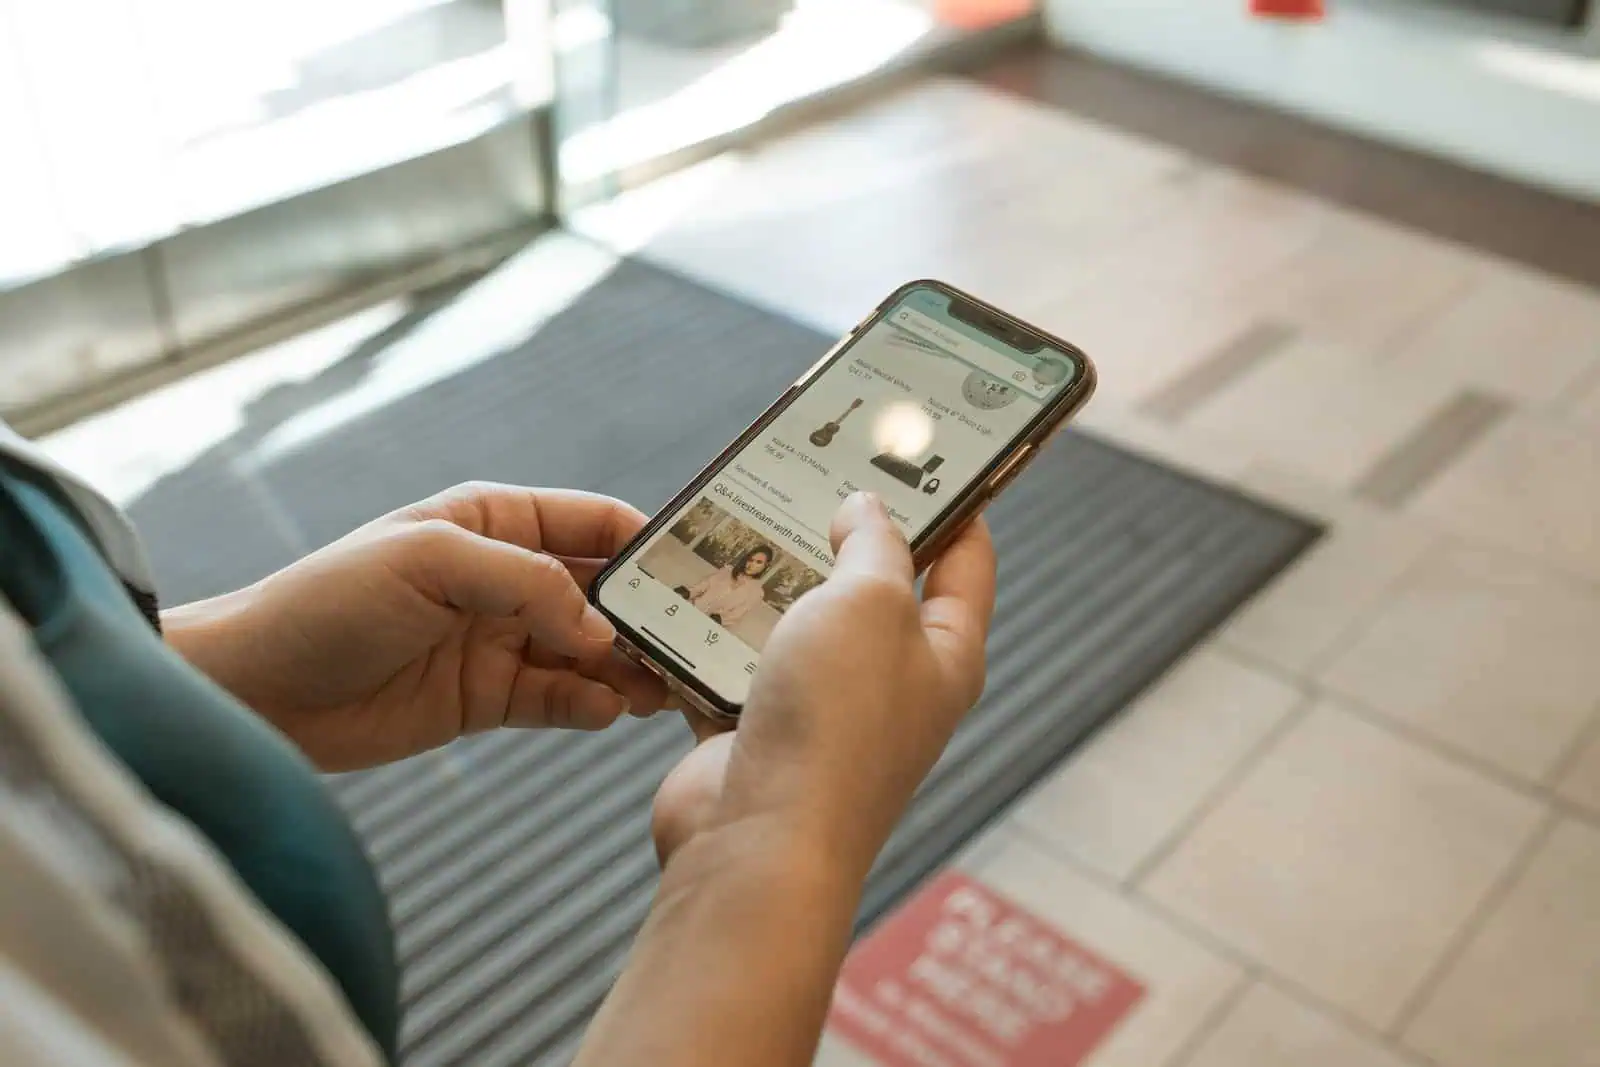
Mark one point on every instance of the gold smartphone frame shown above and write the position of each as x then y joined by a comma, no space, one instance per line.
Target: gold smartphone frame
977,495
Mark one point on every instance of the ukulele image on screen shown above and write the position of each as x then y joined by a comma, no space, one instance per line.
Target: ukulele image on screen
824,436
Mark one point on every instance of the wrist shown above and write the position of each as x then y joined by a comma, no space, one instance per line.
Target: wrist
738,958
209,633
773,850
844,817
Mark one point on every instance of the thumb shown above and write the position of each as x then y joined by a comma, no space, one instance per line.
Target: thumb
867,542
687,801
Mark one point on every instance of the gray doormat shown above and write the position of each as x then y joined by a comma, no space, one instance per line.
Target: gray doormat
519,865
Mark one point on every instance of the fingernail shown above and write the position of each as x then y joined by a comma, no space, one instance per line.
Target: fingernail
595,626
862,502
627,708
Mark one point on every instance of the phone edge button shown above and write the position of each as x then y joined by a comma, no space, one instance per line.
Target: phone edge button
1007,474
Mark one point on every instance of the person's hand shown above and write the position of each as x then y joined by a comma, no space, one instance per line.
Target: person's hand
766,834
459,614
859,691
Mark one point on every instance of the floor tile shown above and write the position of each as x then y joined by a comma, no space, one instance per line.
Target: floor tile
1269,1028
1228,363
1525,989
1432,447
1527,487
1309,495
776,258
828,254
837,1052
1586,405
978,197
1184,982
1512,331
1580,779
1346,861
1314,407
1140,342
814,223
1228,232
1299,619
1182,448
1488,654
1118,801
1366,284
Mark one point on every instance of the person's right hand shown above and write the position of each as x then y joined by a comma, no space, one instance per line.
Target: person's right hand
860,688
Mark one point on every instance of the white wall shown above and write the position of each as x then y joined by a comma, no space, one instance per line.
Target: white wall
1522,104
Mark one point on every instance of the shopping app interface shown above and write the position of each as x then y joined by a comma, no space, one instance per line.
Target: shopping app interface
913,411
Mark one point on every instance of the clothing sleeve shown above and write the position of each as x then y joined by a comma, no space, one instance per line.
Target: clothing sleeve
125,939
745,598
110,905
111,529
38,1030
703,586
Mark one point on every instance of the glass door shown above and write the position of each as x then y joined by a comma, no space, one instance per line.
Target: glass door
640,80
179,171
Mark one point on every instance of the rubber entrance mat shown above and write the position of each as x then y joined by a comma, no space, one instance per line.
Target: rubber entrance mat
519,865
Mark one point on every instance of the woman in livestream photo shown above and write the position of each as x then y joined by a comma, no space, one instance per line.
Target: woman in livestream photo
729,594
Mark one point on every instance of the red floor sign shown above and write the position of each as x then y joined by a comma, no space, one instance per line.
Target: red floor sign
961,977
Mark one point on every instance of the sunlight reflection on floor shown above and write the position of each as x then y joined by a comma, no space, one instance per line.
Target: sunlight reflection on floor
125,451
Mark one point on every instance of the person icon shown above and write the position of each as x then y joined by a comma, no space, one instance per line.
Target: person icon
731,593
1050,372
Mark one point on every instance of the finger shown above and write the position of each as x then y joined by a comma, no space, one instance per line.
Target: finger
586,524
584,571
562,522
704,727
965,573
645,693
867,542
562,700
958,605
498,580
645,690
688,800
956,612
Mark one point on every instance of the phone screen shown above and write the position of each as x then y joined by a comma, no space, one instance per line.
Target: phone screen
916,408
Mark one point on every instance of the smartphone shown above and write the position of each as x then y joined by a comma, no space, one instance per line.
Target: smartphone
934,402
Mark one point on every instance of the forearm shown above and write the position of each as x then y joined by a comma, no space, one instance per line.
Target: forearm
219,638
205,633
737,961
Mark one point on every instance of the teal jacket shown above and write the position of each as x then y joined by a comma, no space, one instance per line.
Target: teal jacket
196,749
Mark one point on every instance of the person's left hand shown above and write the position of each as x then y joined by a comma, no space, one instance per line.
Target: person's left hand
460,614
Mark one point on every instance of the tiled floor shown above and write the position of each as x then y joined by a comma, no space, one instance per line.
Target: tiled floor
1362,826
1346,860
1485,653
1527,489
1186,981
1268,1028
1122,803
1524,988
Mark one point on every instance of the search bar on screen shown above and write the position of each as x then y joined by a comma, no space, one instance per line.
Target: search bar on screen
973,353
